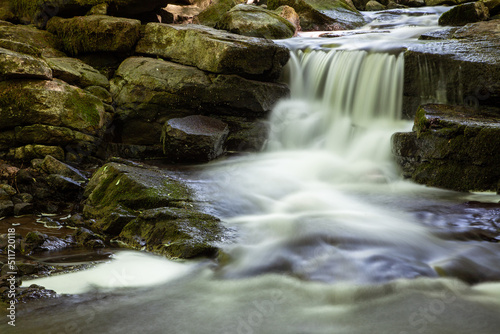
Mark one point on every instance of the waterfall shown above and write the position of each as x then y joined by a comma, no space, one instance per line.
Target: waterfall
345,102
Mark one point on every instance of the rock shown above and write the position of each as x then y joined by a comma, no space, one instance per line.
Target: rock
14,65
222,52
180,14
95,33
213,13
6,11
256,22
51,165
470,61
9,190
360,4
462,14
76,72
341,11
290,15
373,5
20,47
432,3
493,6
335,18
50,135
4,196
149,91
103,94
194,138
117,193
174,232
30,152
6,208
40,12
40,40
451,147
21,209
54,102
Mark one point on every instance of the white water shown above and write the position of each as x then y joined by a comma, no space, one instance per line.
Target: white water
328,241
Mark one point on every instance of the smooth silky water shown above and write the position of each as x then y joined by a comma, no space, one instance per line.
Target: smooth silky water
330,239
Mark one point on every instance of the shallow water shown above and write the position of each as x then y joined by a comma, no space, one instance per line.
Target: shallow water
330,240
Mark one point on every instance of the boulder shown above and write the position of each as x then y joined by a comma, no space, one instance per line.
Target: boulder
493,6
213,13
341,11
6,11
256,22
14,65
76,72
51,165
95,33
25,102
174,232
464,69
49,135
20,47
149,91
30,152
194,138
218,51
117,193
451,147
373,5
337,17
467,13
290,15
42,41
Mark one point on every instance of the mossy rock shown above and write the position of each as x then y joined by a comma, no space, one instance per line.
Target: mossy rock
213,13
462,14
256,22
174,232
312,19
26,102
117,193
76,72
43,41
95,33
15,65
452,147
214,50
30,152
148,91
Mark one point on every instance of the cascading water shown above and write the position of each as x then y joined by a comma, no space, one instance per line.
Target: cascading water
328,237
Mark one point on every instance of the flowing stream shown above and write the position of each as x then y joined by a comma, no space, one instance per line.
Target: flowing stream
330,239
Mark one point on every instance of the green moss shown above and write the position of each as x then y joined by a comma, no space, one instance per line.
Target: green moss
85,107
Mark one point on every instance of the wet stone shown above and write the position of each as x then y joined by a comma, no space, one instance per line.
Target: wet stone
194,138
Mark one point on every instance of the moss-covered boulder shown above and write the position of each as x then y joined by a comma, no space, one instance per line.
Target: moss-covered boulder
175,233
216,51
76,72
455,66
337,16
25,102
213,13
467,13
39,41
15,65
147,92
95,33
373,5
256,22
147,209
451,147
